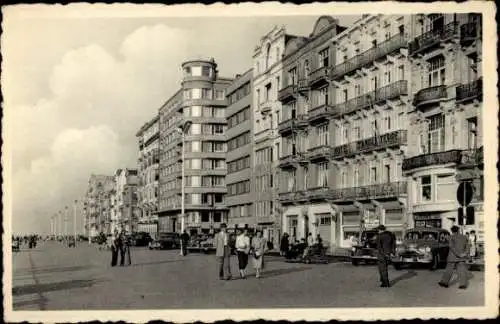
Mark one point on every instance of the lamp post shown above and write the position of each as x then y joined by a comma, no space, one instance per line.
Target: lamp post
74,218
66,211
183,130
60,223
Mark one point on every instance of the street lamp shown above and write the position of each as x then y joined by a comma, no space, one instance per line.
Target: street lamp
66,211
74,218
183,131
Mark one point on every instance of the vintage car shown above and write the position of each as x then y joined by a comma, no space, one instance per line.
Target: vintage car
365,250
423,245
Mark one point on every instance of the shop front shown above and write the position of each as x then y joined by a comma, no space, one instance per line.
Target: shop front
428,219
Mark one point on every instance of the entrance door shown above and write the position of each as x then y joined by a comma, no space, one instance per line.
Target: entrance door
174,223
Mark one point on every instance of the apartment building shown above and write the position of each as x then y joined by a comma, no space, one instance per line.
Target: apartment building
267,80
239,114
344,131
194,120
445,130
96,204
148,167
124,202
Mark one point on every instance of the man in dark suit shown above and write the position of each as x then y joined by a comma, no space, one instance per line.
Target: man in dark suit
459,252
386,246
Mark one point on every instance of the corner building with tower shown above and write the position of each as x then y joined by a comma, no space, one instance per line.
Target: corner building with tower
198,108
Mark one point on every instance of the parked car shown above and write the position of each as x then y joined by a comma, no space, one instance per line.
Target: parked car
207,245
169,240
141,239
194,244
365,250
424,245
154,245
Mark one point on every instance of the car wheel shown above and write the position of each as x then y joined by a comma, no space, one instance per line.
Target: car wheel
397,265
435,262
355,262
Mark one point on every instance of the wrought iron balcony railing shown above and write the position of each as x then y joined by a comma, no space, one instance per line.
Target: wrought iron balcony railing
387,47
320,112
387,140
423,160
339,152
376,191
469,32
286,93
433,37
390,91
429,95
318,152
299,122
472,158
318,75
318,193
469,91
303,85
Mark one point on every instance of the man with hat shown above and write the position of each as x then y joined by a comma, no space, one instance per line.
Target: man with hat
458,255
386,246
223,252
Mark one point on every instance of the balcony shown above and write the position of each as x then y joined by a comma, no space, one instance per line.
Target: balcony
387,47
319,76
319,152
303,85
286,93
424,160
396,138
469,32
291,160
433,37
380,95
319,193
472,158
470,91
320,113
292,124
339,152
377,191
430,95
266,107
287,197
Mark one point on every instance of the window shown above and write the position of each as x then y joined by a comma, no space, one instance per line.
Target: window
344,179
306,69
219,94
278,152
387,122
187,71
356,133
373,175
472,133
292,76
218,129
323,135
323,96
436,134
357,90
426,188
268,94
196,111
206,93
187,94
278,83
401,72
323,58
436,73
401,29
374,128
291,180
268,55
325,220
387,173
356,177
323,174
258,96
345,94
206,71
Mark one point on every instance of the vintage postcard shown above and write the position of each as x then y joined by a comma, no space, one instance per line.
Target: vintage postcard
254,161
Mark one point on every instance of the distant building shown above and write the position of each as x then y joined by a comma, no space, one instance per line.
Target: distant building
239,158
149,175
96,204
201,101
124,201
445,131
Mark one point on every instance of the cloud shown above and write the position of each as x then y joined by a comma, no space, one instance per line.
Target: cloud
87,124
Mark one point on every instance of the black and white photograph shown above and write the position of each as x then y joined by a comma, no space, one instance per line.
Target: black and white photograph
194,163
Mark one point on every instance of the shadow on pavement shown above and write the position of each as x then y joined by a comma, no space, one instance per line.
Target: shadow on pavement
278,272
408,275
48,287
51,269
155,262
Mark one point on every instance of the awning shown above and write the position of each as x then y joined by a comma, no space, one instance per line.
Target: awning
368,206
393,204
347,208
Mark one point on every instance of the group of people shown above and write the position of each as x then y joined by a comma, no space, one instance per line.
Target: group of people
245,247
457,257
120,245
289,247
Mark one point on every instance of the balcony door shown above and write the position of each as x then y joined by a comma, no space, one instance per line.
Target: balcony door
436,73
436,134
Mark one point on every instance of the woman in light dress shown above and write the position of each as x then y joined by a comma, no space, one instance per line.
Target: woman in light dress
259,246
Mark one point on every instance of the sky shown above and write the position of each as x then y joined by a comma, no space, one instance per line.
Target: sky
76,91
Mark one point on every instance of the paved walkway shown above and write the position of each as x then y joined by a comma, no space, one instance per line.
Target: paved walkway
53,277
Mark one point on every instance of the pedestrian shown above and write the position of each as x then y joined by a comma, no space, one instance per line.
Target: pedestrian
310,243
473,245
184,243
124,249
457,256
259,248
115,246
223,253
386,247
284,245
242,250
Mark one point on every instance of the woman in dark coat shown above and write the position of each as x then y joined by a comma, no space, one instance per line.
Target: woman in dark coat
284,244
